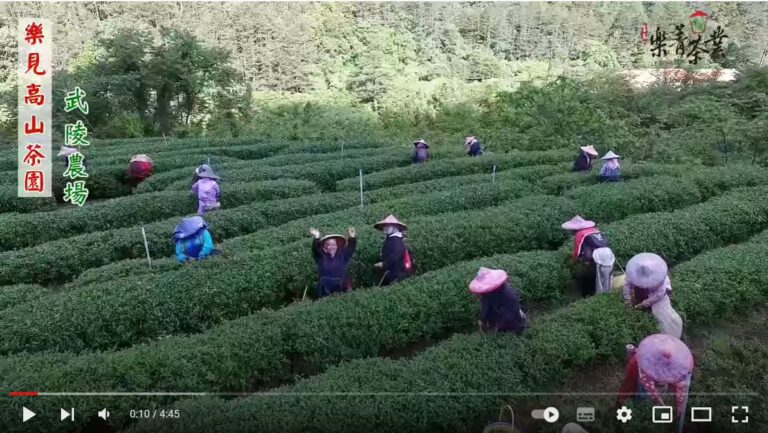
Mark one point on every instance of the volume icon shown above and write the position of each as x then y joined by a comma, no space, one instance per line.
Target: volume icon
104,414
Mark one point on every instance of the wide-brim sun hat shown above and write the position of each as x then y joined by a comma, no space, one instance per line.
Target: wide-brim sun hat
341,241
589,149
390,220
577,223
205,170
664,358
469,139
141,158
610,155
188,227
416,143
647,270
66,151
487,280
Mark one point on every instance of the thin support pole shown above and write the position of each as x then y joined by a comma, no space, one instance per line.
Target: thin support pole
494,173
342,148
146,246
361,188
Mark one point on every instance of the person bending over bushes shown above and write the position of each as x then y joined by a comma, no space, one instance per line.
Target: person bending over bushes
499,303
473,146
332,254
586,158
648,286
139,169
594,260
193,240
395,258
659,362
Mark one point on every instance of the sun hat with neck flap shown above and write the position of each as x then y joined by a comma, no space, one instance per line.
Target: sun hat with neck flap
647,270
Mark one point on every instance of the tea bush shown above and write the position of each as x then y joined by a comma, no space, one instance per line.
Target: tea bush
23,230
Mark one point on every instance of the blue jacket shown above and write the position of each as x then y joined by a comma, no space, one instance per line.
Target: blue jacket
612,174
196,247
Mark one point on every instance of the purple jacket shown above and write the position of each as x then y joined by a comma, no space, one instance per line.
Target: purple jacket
208,194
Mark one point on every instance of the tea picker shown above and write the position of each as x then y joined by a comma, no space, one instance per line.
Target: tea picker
647,287
499,302
395,261
660,363
206,189
332,254
420,152
611,169
594,260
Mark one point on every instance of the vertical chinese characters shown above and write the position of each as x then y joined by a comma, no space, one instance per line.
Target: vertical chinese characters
35,37
75,135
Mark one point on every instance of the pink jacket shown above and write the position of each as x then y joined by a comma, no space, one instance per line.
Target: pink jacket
208,194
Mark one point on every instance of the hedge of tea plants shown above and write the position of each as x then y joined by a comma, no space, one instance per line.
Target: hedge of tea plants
586,331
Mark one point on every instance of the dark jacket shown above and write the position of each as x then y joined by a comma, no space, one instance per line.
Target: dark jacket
586,271
590,244
583,162
420,155
333,270
475,149
392,254
500,310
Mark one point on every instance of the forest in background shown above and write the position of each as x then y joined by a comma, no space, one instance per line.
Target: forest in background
519,75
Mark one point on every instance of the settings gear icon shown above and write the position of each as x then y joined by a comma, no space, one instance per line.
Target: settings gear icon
624,414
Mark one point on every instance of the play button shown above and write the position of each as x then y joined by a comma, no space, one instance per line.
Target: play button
26,414
551,415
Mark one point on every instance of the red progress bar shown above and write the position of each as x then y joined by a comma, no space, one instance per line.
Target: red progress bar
23,394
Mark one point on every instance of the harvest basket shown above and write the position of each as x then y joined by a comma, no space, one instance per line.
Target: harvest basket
502,426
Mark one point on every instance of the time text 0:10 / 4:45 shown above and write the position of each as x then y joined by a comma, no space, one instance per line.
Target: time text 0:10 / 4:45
152,414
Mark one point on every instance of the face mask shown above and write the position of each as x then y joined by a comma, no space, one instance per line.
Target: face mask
388,230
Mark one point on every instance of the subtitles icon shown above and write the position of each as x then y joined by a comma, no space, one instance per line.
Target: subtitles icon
585,414
662,415
701,414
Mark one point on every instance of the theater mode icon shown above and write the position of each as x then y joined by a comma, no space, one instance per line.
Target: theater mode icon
701,414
